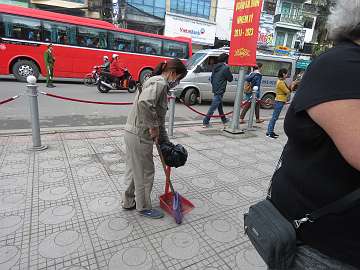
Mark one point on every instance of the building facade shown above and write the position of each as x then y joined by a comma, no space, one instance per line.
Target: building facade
288,22
294,23
224,16
190,18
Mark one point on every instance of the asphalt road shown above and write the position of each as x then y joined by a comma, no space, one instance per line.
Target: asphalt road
55,113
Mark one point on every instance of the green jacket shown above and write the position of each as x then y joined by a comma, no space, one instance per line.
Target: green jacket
49,58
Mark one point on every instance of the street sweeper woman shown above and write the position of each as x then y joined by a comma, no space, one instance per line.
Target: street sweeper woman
146,125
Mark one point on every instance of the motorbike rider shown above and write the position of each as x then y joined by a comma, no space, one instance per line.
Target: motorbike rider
106,65
116,70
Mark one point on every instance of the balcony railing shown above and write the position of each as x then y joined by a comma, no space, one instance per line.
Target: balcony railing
289,18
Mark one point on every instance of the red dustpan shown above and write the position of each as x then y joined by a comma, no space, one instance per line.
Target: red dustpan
171,201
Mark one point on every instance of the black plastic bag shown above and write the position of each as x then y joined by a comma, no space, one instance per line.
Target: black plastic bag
174,155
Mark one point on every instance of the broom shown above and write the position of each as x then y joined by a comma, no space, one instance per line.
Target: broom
176,199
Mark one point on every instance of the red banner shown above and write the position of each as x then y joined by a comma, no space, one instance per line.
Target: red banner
245,32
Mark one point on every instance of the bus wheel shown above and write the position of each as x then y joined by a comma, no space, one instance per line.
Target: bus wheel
267,101
191,96
144,75
102,88
24,68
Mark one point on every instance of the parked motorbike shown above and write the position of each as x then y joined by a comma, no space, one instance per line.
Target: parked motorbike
106,82
92,78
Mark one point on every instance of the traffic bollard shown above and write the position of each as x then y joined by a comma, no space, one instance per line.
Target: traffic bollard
171,113
32,92
252,108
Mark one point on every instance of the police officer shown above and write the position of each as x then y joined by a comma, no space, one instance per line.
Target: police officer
49,63
146,125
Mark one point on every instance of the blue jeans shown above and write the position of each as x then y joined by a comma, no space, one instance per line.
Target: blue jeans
278,106
216,103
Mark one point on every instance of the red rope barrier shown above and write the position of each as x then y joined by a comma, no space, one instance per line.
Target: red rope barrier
8,100
203,114
86,101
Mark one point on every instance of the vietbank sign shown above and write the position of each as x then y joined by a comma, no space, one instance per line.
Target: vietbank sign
201,32
192,31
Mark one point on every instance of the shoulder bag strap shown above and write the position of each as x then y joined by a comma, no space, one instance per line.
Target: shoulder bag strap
337,207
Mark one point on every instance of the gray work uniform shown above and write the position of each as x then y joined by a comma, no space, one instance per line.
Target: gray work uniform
148,111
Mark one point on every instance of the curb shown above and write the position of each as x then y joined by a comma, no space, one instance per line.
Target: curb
20,132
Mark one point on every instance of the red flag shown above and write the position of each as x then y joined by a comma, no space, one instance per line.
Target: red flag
245,31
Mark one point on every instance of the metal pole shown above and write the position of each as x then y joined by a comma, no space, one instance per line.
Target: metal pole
234,129
172,113
252,109
32,91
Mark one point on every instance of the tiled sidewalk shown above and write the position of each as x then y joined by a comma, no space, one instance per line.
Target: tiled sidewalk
60,208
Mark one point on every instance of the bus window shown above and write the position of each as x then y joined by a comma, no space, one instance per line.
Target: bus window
121,42
21,28
59,33
148,45
175,49
271,68
2,27
93,38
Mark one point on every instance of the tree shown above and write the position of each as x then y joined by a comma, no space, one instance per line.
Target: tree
324,7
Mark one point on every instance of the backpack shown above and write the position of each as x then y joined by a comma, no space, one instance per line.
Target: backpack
248,87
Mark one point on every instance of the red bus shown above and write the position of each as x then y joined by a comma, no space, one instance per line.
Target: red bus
79,44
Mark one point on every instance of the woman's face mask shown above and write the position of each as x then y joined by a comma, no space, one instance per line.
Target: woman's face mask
173,83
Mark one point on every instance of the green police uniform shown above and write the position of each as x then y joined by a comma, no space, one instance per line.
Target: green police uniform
49,63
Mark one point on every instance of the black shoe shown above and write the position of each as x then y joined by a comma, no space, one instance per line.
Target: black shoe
227,120
130,208
276,135
271,135
50,86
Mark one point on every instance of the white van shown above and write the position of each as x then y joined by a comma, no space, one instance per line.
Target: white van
196,86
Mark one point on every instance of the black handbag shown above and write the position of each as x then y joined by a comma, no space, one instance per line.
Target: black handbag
274,237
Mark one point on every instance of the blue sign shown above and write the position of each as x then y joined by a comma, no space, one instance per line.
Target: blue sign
303,64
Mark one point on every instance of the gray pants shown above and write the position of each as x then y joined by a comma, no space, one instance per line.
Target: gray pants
308,258
139,174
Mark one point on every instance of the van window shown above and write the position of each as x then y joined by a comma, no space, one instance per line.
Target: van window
21,28
195,60
59,33
236,69
271,68
208,64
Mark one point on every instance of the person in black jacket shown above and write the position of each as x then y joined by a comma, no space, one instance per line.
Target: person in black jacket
221,74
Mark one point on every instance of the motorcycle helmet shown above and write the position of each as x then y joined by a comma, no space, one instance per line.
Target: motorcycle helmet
114,56
106,58
174,155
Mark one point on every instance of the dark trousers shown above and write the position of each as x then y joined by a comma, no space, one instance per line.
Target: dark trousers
49,74
216,103
247,106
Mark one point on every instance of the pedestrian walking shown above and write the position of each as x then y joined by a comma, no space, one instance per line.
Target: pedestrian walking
321,160
220,76
49,64
146,125
254,79
282,94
